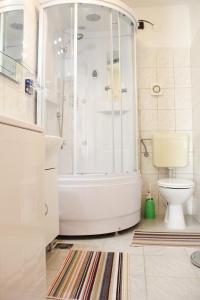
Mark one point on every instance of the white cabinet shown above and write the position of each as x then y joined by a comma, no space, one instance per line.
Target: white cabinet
52,146
51,205
22,243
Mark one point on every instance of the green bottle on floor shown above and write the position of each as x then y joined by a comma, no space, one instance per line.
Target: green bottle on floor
149,209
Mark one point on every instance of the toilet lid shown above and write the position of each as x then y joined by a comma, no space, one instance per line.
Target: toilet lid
176,183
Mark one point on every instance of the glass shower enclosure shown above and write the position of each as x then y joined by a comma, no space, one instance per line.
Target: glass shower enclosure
88,96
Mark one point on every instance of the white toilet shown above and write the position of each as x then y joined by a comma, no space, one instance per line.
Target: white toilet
170,150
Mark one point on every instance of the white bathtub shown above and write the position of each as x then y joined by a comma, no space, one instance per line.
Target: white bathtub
98,204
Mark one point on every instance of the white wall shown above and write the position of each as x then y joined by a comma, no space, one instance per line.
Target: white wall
171,26
163,55
13,101
195,68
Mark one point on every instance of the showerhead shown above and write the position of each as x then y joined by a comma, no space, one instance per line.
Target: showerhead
17,26
80,36
93,17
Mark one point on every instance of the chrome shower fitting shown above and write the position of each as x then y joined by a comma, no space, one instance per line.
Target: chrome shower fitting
142,22
80,36
59,115
146,153
60,122
195,258
63,144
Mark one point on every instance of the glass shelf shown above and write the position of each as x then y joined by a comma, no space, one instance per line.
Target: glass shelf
14,70
106,108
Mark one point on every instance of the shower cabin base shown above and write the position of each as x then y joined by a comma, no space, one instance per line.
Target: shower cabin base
98,205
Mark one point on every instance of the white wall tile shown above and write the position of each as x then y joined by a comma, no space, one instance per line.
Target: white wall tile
182,77
146,134
149,181
164,57
161,205
183,98
182,57
147,77
184,119
147,56
11,101
166,100
147,101
163,173
165,76
147,165
149,120
166,119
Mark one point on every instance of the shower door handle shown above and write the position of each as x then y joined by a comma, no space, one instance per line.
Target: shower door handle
107,88
46,209
124,90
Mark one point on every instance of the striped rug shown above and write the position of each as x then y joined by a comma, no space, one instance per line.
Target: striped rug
91,275
142,237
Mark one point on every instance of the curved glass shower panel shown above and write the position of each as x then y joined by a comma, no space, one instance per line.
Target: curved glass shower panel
128,112
116,93
94,97
89,90
59,78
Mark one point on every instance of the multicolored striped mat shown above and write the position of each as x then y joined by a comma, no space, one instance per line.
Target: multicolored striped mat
91,275
142,237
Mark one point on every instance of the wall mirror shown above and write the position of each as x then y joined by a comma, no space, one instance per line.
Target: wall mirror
11,40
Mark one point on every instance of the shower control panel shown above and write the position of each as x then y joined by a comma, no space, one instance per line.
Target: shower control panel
29,86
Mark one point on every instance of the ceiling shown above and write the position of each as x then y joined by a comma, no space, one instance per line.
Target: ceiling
138,3
63,18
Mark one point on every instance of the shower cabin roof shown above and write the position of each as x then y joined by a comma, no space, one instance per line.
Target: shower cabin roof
120,6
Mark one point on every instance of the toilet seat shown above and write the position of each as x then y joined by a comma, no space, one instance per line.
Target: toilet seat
175,183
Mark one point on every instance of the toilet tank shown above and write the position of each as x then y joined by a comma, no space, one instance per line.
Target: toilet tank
170,150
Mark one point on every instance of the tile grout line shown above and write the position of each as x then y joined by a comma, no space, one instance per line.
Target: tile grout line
145,275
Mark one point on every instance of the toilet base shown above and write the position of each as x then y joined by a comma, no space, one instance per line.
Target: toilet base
174,217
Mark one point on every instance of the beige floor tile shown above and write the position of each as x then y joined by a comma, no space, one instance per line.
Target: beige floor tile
156,272
137,288
170,266
164,251
137,250
190,250
165,288
136,265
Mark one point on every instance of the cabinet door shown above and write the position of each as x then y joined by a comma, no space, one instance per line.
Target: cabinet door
22,247
51,205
